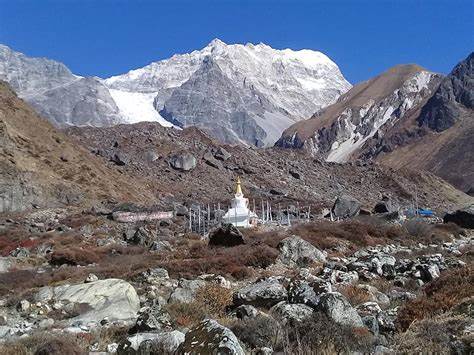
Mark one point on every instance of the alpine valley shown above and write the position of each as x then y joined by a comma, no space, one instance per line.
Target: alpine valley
237,200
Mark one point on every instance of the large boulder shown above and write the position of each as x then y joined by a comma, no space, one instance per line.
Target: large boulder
386,205
112,299
183,161
209,337
211,160
295,251
152,318
227,235
263,293
165,343
307,292
345,206
142,236
221,154
336,307
463,217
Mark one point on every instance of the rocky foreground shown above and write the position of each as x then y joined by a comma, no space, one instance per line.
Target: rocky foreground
76,281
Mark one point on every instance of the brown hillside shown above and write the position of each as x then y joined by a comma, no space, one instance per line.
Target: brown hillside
42,166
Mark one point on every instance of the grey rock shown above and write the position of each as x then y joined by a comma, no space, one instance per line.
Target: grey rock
23,306
209,337
225,121
290,313
428,272
264,351
295,251
20,253
5,331
263,293
375,295
113,299
165,343
246,311
186,291
152,318
83,101
181,210
161,245
183,161
307,292
345,206
386,205
221,154
46,323
211,160
158,273
227,235
336,307
401,295
91,278
142,236
5,264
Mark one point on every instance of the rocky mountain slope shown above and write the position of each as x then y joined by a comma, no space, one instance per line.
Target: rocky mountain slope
57,94
238,93
446,144
339,132
187,166
406,117
40,166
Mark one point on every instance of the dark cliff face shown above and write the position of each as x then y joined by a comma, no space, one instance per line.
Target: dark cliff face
210,101
454,95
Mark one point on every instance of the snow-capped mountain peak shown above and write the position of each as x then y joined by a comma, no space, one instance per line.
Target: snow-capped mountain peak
266,90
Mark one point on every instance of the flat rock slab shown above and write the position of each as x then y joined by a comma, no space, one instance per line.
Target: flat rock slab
113,299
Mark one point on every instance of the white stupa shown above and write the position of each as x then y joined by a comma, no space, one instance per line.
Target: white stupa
239,213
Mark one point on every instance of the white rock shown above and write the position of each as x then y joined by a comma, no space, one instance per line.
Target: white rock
114,299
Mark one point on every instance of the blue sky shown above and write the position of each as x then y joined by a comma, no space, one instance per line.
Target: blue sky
107,37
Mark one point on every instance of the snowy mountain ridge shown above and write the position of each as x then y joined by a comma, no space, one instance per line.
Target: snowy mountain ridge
267,90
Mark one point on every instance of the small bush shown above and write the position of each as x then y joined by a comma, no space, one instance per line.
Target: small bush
74,256
45,344
215,299
186,314
439,296
355,295
320,335
433,336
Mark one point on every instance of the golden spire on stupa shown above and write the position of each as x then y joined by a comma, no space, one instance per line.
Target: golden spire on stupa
238,188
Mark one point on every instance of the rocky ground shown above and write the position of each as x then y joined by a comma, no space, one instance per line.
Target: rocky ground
187,166
75,281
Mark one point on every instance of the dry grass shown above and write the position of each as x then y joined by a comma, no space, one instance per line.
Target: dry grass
235,262
210,301
44,343
355,295
216,299
320,335
434,336
439,296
